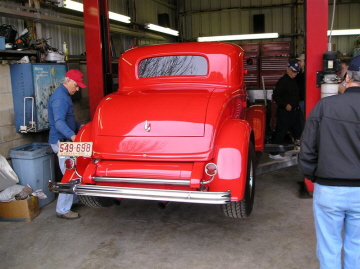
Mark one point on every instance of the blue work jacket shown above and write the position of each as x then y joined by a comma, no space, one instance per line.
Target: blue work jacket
61,116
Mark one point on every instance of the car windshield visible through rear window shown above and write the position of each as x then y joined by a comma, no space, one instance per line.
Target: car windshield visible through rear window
181,65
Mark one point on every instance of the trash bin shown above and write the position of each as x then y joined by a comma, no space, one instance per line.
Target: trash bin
34,164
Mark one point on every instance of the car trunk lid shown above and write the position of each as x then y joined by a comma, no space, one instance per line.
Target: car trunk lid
153,114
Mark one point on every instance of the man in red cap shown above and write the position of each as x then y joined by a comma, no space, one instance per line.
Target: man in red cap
64,127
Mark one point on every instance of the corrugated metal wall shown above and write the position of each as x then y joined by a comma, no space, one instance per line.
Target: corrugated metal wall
147,12
140,12
74,37
55,34
230,17
209,17
346,17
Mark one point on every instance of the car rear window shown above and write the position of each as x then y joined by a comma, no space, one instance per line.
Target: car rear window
182,65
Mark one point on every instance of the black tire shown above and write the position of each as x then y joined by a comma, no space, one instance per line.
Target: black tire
96,202
242,209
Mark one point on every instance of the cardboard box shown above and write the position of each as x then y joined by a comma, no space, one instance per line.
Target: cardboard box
21,210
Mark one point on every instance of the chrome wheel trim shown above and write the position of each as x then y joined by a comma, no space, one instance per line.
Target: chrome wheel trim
251,178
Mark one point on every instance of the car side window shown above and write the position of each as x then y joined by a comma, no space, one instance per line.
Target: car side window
180,65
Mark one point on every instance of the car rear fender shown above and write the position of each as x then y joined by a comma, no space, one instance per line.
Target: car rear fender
256,116
84,170
69,175
231,157
84,135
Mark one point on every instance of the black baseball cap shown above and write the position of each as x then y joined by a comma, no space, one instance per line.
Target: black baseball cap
294,66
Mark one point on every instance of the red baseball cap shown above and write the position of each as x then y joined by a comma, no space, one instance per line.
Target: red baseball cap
76,76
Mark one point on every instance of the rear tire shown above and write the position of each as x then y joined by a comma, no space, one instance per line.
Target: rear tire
242,209
96,202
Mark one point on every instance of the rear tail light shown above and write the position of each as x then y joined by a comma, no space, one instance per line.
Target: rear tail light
70,163
211,169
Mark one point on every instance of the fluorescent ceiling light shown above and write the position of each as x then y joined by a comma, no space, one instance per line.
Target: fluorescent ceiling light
237,37
158,28
80,7
74,5
119,17
344,32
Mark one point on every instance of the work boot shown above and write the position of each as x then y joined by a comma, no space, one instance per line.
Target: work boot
68,215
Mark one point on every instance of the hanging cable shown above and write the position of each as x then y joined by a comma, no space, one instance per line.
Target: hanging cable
332,24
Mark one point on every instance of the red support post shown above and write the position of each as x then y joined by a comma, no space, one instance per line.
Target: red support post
316,41
315,44
97,43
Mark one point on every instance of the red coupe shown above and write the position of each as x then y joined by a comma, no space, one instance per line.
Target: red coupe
178,129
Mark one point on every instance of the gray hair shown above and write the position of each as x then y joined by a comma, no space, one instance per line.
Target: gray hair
353,75
66,79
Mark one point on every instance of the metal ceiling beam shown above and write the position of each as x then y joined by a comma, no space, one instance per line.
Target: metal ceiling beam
344,2
166,4
259,7
39,16
19,14
235,9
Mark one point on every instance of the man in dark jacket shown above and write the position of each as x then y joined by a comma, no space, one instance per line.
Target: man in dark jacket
288,116
330,157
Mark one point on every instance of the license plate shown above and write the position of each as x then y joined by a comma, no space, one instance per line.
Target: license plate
83,149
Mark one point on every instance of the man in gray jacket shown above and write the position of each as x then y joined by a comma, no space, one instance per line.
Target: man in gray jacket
330,157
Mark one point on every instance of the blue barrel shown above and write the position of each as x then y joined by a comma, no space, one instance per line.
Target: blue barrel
34,164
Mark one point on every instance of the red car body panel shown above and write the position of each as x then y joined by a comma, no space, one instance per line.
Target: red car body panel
166,128
256,116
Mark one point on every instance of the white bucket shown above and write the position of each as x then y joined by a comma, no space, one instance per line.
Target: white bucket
328,89
54,57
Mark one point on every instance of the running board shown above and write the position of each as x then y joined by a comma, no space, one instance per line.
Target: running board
200,197
278,148
290,159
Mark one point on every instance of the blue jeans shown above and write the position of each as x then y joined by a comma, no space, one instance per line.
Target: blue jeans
64,201
337,209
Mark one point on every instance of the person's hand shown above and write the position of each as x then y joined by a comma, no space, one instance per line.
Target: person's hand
288,107
73,138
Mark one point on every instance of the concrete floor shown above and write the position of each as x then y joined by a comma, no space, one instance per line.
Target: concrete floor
138,234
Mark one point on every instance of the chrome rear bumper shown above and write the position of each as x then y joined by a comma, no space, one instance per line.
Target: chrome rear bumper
179,182
201,197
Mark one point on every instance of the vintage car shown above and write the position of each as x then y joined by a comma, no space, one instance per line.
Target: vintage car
177,130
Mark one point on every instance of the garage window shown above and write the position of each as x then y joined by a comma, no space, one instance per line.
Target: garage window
184,65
